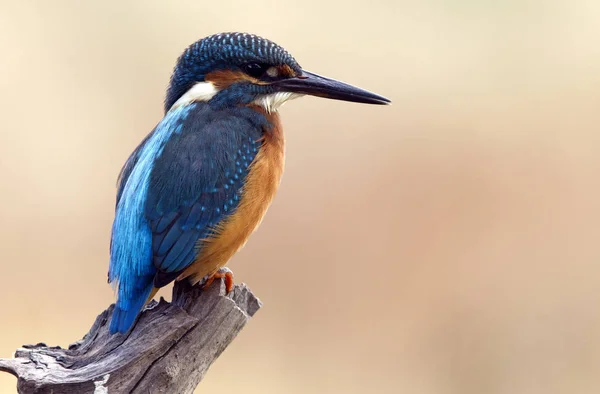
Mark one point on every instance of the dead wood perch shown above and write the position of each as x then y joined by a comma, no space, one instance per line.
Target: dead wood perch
168,351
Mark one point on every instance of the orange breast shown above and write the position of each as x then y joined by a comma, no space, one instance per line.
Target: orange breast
261,185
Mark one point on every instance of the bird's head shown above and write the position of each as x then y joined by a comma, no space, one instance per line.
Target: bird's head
231,69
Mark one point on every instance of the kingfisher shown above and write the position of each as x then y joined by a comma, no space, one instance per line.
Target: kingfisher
199,184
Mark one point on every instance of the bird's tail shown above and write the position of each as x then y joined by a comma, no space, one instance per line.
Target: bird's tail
130,304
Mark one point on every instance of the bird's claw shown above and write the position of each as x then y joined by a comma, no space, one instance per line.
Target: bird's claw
225,273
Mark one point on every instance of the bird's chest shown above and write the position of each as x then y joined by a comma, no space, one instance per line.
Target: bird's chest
265,173
262,181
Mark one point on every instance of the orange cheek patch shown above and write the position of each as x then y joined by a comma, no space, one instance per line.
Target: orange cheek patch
222,79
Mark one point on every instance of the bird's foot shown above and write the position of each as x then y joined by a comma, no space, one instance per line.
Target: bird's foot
220,273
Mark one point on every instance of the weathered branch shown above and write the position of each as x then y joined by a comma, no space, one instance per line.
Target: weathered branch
169,349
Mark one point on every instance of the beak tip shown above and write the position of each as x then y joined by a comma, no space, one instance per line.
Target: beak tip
380,100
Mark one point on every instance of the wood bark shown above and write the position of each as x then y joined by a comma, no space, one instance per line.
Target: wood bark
169,349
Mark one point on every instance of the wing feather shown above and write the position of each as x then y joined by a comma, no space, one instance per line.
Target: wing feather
197,182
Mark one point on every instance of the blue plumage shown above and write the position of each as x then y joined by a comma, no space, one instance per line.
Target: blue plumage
179,183
131,241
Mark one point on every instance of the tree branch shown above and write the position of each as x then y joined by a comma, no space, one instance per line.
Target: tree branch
169,350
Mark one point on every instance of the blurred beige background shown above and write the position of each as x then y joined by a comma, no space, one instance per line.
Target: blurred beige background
449,243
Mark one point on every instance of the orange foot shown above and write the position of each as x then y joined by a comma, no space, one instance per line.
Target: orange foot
221,273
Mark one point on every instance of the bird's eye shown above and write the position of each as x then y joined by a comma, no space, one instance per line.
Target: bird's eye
255,70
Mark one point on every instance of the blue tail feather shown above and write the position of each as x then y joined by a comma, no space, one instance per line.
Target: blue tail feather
126,310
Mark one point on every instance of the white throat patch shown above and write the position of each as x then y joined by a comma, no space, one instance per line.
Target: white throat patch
272,102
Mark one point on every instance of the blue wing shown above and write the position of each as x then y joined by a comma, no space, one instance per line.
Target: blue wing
197,181
182,180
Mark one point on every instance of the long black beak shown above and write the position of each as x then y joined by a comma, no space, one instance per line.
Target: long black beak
316,85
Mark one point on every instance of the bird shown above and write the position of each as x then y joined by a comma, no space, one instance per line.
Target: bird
199,184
